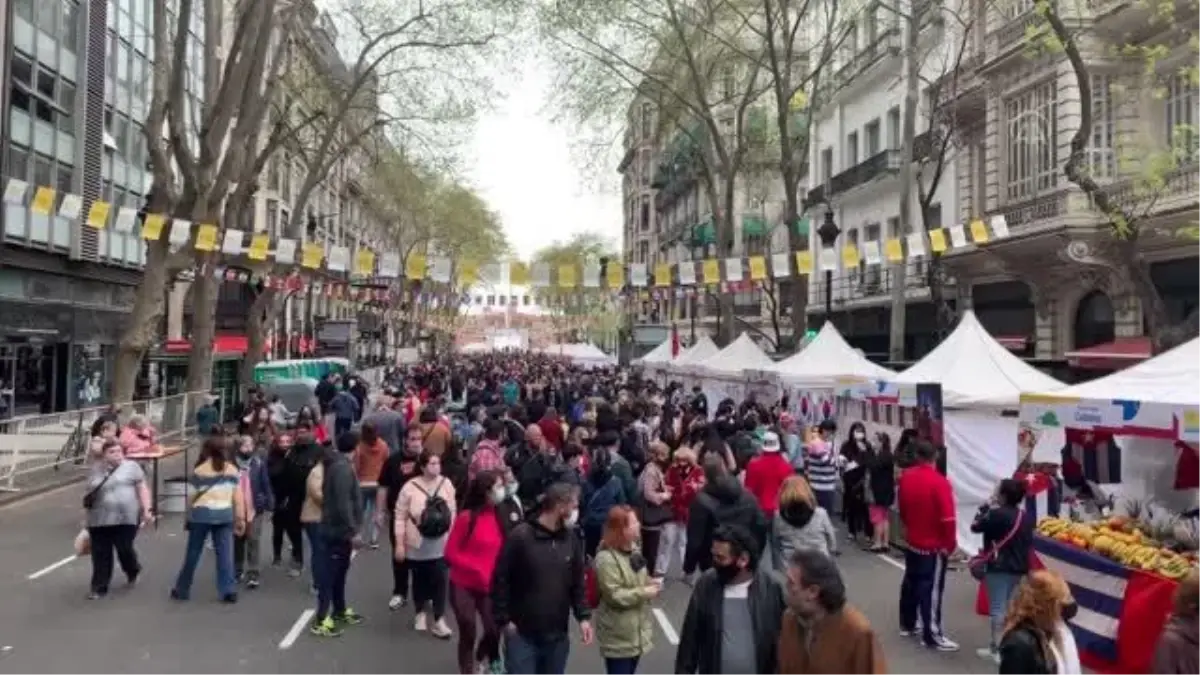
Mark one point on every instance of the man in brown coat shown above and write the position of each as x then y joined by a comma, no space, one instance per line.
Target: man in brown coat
821,633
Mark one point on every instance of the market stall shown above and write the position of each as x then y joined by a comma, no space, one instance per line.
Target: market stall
723,375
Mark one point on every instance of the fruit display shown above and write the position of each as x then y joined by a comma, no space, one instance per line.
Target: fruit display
1123,540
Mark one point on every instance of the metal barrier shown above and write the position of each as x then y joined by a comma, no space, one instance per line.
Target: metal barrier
38,443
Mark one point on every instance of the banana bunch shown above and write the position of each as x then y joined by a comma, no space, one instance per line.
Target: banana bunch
1051,527
1173,566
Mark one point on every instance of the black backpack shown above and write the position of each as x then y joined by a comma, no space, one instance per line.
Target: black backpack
435,519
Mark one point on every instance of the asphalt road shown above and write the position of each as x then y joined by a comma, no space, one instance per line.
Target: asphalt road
48,625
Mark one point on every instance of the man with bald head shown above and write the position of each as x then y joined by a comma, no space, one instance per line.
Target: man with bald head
542,469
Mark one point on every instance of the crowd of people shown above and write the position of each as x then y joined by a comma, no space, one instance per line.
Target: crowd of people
518,494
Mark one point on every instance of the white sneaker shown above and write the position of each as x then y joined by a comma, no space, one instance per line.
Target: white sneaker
944,644
441,630
988,654
421,623
396,602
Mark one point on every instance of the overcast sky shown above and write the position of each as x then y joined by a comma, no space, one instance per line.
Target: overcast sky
521,164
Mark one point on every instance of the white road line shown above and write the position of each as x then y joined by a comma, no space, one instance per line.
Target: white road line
50,568
665,624
888,559
297,628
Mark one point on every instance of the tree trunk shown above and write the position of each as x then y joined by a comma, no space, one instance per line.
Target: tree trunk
798,286
142,329
912,82
257,326
204,305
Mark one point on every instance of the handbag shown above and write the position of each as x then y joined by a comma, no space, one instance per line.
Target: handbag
977,563
89,499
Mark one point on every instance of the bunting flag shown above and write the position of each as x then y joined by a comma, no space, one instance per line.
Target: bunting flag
662,280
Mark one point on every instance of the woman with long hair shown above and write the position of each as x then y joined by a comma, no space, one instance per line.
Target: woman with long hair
801,523
856,452
307,421
285,519
684,478
424,554
881,492
655,500
471,552
1007,539
1176,651
624,629
1036,636
216,510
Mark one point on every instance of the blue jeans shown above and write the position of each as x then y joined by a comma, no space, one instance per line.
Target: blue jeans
543,655
316,551
331,585
826,499
1000,588
622,666
921,593
370,529
222,539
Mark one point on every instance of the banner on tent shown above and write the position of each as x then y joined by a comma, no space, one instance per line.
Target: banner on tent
891,408
811,406
1116,416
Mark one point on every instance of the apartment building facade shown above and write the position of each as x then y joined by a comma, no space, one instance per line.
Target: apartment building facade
77,94
1054,287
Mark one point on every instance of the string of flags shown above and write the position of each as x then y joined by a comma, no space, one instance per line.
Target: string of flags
566,282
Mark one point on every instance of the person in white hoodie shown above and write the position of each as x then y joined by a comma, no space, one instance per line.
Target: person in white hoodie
801,524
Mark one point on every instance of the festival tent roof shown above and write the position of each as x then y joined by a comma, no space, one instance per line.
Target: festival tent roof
475,348
578,351
976,371
826,359
1170,377
704,349
660,354
741,354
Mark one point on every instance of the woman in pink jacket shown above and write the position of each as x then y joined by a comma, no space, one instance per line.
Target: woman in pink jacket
421,539
137,438
472,550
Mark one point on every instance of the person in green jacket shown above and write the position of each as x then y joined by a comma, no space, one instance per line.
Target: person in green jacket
624,626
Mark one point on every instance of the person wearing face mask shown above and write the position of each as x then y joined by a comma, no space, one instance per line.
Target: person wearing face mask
260,500
685,480
424,515
655,501
509,511
1036,636
538,584
624,629
821,632
855,455
733,618
471,551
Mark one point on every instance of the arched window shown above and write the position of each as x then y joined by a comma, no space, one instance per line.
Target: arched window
1094,320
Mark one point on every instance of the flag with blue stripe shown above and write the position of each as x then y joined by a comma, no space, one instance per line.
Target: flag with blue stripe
1098,585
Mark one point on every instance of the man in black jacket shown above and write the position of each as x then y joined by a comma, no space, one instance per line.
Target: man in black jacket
734,616
538,583
723,501
341,520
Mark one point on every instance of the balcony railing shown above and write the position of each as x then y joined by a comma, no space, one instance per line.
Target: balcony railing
1021,213
875,166
886,44
872,282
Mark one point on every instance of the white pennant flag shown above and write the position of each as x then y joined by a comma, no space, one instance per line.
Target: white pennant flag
439,269
231,244
687,273
637,274
591,275
493,274
14,191
999,226
285,251
829,259
126,219
916,245
733,269
781,266
181,232
338,259
539,276
958,236
389,265
71,206
870,253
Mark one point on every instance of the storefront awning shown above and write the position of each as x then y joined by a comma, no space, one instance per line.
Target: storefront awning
704,233
1121,352
753,225
222,344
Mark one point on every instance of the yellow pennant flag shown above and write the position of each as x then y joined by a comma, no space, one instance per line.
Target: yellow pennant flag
758,268
804,263
566,276
43,201
849,255
937,240
364,262
98,215
893,250
799,101
710,271
468,273
662,274
152,227
260,244
615,275
311,255
518,273
414,267
206,238
979,232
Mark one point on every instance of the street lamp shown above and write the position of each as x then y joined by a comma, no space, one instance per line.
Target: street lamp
828,233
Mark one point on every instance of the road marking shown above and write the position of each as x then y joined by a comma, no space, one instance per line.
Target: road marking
665,624
888,559
297,628
50,568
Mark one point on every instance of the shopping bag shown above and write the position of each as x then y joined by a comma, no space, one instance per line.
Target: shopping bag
83,543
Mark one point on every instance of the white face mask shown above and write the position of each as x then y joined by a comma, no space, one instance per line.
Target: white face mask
511,489
572,518
860,436
498,494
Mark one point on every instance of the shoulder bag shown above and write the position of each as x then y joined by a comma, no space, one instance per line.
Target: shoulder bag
89,499
978,563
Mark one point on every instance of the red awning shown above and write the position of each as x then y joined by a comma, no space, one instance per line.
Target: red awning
222,344
1121,352
1016,343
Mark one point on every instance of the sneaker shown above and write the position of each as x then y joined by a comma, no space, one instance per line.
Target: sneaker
374,546
908,632
176,595
441,630
132,578
943,644
252,581
294,573
988,654
96,595
397,602
325,628
420,623
229,598
350,617
497,667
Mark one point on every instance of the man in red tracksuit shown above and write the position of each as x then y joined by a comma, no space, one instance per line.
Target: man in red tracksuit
926,503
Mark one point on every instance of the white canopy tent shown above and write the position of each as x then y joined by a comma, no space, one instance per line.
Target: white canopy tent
741,354
1171,377
827,359
980,379
583,353
476,348
695,355
660,354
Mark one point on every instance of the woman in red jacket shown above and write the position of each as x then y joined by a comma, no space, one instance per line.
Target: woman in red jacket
471,551
685,480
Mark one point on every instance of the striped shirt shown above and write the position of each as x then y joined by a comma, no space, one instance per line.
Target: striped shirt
214,495
822,471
